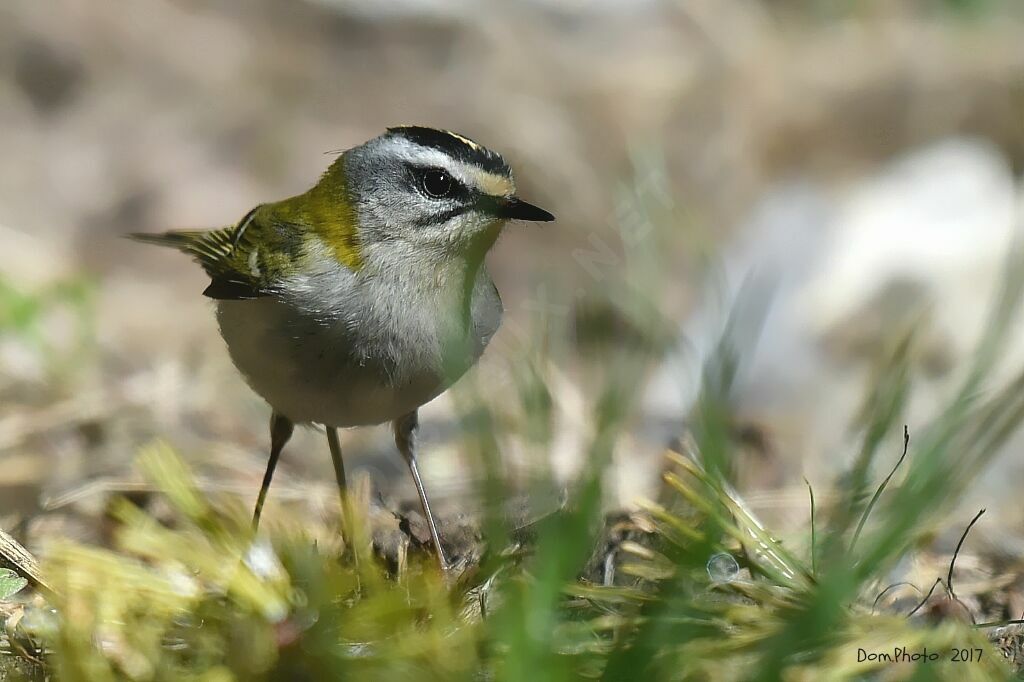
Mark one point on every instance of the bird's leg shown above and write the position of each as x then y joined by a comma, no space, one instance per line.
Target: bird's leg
347,514
405,435
280,431
339,464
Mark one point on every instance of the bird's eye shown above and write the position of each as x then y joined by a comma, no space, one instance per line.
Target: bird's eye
437,183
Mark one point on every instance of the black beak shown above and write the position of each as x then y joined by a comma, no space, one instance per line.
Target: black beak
514,208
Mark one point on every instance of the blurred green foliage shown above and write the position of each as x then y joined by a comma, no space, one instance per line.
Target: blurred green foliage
831,10
201,597
10,583
204,599
27,317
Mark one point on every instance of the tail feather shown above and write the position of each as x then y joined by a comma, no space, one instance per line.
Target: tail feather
215,251
179,240
212,248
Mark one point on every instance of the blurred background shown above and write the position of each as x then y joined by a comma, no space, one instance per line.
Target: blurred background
817,180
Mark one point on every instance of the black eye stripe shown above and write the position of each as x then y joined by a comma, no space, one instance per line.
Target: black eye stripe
482,203
442,216
435,182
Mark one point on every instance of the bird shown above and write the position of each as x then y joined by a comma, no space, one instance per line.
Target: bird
367,296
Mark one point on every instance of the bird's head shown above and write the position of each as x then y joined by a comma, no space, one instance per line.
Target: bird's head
424,193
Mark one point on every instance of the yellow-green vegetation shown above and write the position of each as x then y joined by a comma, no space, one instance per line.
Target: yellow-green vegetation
690,587
701,590
117,123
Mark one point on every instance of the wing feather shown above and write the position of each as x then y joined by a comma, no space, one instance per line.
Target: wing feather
225,255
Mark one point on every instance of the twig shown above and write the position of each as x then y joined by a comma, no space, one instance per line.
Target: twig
926,598
115,485
1000,623
814,563
874,604
881,488
948,584
956,552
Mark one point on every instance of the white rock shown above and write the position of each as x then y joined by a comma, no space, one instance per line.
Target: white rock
833,277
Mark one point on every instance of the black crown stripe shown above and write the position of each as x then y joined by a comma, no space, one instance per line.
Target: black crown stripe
453,145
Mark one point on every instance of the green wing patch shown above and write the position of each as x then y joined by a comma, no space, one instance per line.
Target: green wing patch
228,255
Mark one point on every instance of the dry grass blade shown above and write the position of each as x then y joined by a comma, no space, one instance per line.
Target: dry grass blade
20,560
748,529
